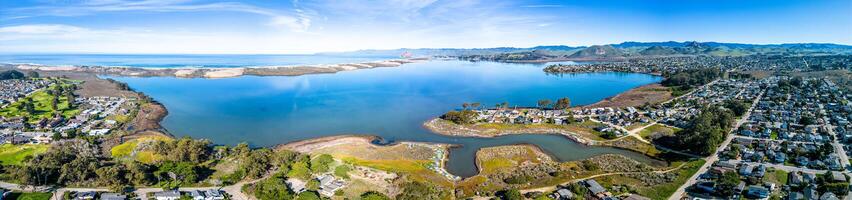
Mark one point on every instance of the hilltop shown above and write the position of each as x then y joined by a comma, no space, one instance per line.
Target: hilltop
618,51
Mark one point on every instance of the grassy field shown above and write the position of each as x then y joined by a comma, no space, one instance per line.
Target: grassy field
15,154
124,151
29,196
636,125
41,102
658,191
496,159
657,129
410,161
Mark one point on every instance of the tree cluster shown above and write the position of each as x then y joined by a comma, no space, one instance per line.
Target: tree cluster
706,130
11,74
460,117
690,78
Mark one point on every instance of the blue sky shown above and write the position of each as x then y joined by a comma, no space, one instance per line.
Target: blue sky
306,26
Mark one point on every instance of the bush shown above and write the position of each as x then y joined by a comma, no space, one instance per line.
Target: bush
512,194
273,188
460,117
418,190
308,195
342,171
520,179
320,163
373,195
11,74
299,170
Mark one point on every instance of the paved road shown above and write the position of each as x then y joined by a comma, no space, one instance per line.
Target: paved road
681,191
234,190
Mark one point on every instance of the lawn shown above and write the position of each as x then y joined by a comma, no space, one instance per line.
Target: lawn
29,196
398,166
42,109
657,129
15,154
777,176
636,125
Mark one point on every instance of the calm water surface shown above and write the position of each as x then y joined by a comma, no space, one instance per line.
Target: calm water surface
388,102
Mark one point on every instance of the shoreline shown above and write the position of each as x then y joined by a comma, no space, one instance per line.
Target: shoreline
306,145
442,127
223,72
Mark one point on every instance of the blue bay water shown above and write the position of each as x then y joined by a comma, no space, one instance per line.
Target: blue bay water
391,103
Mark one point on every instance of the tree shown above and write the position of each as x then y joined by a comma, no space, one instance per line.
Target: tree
300,170
727,182
373,195
562,103
342,171
460,117
475,105
257,163
285,157
807,120
706,130
512,194
54,103
11,74
308,195
111,176
320,163
241,150
544,103
69,95
178,173
272,188
32,74
419,190
738,107
139,174
312,184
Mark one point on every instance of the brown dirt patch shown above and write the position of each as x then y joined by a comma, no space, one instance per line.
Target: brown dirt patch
148,117
652,93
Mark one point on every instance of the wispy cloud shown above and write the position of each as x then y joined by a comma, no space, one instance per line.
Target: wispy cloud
543,6
292,20
40,29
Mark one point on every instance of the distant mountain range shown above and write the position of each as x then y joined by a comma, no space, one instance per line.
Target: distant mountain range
622,50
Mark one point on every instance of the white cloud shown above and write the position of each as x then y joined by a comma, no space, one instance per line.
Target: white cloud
294,24
40,29
294,21
309,27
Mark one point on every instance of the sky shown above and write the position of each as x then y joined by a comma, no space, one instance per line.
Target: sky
310,26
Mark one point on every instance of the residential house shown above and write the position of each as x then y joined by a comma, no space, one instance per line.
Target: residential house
113,196
167,195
